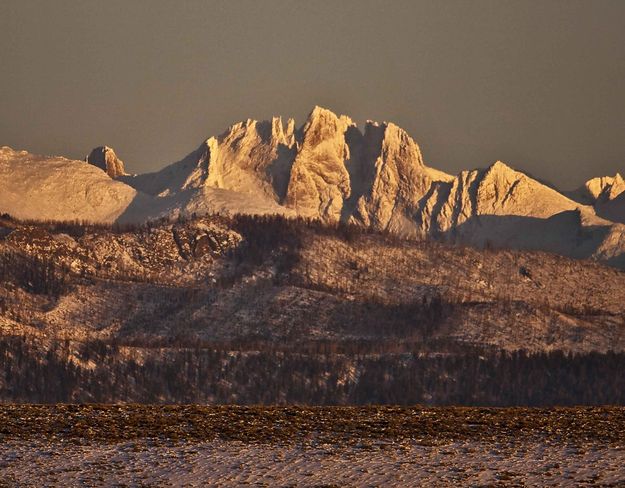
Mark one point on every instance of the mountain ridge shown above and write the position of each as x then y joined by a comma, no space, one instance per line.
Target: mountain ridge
330,169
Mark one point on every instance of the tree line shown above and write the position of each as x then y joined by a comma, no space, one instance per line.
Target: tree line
100,372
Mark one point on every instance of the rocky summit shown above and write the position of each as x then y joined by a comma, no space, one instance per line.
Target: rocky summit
104,157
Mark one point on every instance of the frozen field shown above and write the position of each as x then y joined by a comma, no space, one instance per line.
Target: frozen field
376,446
233,463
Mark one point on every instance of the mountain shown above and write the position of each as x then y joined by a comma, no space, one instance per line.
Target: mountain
56,188
329,169
502,207
326,169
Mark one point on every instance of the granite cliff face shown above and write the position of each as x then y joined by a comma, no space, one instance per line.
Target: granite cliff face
394,179
319,182
329,169
244,170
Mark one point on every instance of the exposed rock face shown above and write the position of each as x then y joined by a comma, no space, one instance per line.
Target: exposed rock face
451,204
104,157
252,157
606,194
604,188
611,207
319,182
243,170
397,179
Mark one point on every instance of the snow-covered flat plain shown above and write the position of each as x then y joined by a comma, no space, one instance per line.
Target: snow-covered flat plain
233,463
277,446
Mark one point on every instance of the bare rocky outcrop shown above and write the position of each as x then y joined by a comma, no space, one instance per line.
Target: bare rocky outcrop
104,157
399,180
244,170
606,194
608,197
604,188
319,182
252,157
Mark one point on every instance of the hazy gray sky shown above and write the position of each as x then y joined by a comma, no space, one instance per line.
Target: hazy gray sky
538,84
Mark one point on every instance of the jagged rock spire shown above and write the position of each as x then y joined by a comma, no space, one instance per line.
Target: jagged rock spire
105,158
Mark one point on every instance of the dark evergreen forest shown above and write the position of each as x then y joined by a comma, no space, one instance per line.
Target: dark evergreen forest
110,373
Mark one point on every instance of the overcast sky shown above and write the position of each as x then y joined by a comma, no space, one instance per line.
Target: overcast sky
538,84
